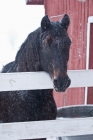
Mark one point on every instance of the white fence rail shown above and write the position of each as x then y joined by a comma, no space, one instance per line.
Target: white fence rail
42,129
41,80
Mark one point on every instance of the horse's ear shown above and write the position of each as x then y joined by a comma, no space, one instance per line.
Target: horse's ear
45,22
65,21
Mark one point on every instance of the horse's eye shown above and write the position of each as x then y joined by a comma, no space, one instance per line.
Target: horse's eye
49,40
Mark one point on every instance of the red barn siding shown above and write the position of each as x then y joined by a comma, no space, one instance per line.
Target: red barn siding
78,12
90,90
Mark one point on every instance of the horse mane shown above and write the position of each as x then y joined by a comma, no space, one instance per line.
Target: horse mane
27,57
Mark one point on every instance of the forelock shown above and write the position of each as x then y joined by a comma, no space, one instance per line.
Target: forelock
55,28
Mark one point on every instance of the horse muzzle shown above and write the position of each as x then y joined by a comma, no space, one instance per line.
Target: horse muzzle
61,83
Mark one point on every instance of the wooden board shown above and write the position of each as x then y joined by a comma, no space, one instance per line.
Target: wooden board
43,129
41,80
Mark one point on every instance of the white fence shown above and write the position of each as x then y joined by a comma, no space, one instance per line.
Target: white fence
42,129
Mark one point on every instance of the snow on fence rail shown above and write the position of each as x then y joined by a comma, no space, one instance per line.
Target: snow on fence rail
42,129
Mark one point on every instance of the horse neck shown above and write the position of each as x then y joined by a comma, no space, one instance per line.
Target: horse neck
27,58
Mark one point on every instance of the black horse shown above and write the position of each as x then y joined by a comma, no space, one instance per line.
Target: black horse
45,49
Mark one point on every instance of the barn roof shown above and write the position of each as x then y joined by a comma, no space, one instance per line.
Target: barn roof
35,2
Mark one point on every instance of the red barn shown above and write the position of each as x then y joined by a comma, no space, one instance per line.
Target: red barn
79,11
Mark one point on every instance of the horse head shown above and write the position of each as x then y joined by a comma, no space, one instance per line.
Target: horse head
54,51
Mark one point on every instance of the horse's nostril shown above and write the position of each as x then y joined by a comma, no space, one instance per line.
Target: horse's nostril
68,82
56,82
